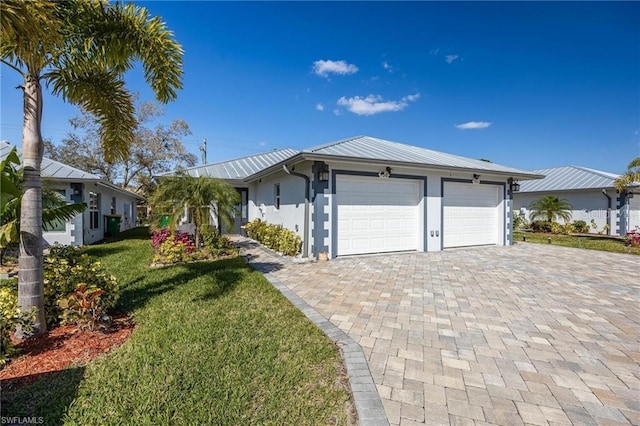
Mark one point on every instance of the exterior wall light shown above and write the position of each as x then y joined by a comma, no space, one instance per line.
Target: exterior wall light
476,178
323,175
515,186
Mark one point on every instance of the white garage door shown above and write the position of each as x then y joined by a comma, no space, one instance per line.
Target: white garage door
376,215
471,214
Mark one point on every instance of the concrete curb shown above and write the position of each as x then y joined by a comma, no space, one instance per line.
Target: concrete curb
365,394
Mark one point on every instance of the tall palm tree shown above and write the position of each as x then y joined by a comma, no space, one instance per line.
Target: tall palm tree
201,196
632,175
549,207
81,50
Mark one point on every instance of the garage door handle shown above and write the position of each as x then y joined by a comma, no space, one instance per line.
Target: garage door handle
432,233
437,233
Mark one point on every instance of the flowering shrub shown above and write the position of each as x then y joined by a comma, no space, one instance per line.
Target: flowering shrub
64,268
632,239
275,237
11,317
217,244
180,246
177,248
159,237
84,308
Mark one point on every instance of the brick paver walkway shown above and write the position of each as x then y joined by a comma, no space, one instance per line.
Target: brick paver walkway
529,334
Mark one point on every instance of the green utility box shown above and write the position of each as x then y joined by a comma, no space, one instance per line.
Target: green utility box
163,221
113,224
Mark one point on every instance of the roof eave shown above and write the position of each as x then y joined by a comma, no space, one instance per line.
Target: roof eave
359,160
294,159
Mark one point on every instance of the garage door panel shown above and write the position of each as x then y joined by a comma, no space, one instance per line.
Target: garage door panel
376,215
470,214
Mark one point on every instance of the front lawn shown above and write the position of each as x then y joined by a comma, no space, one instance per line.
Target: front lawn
586,242
214,343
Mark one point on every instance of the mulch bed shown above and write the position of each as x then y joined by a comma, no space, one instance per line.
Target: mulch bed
62,347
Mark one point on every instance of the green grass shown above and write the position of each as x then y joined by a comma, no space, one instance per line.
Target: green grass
613,245
214,343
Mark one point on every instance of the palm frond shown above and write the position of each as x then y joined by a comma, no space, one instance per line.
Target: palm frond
103,94
51,217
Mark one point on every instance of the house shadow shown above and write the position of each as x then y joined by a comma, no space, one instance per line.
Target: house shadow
265,267
16,397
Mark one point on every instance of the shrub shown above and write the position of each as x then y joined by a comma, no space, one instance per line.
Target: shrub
275,237
64,268
85,308
520,221
158,237
215,243
632,239
11,317
176,248
581,226
541,226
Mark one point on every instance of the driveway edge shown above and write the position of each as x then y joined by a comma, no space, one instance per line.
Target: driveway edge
365,394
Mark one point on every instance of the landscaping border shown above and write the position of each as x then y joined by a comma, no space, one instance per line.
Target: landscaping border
365,394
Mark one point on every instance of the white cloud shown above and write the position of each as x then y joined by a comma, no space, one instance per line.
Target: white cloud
337,111
435,51
387,66
263,143
451,58
319,107
375,104
474,125
324,68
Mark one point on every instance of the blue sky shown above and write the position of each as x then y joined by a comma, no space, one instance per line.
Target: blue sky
528,85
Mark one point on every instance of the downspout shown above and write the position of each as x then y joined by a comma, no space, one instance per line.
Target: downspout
604,192
305,245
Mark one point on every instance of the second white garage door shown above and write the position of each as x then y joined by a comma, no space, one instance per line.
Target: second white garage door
376,215
471,214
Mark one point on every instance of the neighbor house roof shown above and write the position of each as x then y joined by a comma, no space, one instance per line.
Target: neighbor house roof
569,178
240,168
55,170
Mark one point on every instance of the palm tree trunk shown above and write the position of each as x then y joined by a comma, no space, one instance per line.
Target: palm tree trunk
30,275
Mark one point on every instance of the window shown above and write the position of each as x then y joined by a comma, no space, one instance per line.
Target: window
113,205
94,210
59,225
276,195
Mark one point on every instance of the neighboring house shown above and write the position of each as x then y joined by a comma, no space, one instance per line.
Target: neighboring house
77,186
367,195
591,194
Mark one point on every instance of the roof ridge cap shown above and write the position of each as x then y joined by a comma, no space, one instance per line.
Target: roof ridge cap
240,158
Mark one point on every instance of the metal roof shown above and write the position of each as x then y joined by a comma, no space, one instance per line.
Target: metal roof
55,170
51,169
240,168
366,147
569,178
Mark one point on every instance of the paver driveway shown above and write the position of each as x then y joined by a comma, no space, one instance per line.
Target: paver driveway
529,334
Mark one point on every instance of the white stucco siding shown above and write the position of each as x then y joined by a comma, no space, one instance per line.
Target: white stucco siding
68,235
634,211
290,214
125,206
587,206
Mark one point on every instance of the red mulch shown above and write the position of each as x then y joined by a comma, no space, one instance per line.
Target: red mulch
61,347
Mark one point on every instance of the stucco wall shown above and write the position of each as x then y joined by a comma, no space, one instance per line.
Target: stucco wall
292,189
587,206
128,221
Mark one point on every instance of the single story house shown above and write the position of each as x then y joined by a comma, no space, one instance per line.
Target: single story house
368,195
77,186
592,195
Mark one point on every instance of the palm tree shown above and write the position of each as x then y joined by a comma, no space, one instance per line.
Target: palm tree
81,50
549,207
632,175
54,207
201,196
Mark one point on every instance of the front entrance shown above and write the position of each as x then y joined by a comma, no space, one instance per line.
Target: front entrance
241,213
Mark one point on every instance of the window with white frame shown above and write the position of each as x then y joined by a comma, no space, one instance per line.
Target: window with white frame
94,210
276,196
113,205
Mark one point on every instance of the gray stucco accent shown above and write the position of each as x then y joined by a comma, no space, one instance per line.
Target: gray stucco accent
319,219
334,229
486,182
509,215
622,218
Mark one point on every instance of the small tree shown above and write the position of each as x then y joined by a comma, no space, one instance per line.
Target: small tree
549,207
632,175
200,195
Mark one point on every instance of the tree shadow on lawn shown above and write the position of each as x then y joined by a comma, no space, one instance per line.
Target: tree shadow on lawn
226,272
55,390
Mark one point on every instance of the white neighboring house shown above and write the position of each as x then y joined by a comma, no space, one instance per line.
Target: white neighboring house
368,195
77,186
590,192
